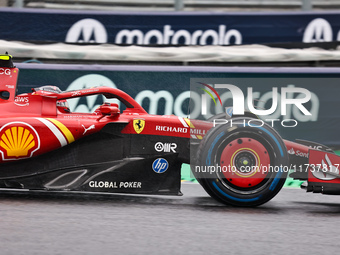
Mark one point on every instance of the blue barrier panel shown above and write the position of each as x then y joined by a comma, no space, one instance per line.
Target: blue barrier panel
165,90
171,28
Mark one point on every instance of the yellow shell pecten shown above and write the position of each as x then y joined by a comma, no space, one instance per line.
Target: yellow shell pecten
17,141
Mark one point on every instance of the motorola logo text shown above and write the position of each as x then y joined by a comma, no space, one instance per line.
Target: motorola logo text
166,36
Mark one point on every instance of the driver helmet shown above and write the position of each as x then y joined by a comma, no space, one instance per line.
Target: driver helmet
62,105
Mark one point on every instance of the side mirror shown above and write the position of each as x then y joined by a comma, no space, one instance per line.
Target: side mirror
109,109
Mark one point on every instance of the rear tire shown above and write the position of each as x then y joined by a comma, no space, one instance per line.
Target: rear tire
252,160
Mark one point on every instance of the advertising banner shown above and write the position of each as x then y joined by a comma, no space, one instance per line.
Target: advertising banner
170,28
310,96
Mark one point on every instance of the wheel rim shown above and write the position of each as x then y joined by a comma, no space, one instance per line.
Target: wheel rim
244,163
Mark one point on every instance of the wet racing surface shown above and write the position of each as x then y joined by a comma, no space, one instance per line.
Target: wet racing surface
294,222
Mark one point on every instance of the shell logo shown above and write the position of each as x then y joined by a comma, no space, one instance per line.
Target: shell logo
18,140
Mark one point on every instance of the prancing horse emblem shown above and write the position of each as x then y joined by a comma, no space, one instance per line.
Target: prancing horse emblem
138,125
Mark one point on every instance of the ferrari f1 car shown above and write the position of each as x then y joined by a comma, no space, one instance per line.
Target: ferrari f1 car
45,146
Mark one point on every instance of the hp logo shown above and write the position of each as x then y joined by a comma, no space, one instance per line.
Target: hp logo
160,165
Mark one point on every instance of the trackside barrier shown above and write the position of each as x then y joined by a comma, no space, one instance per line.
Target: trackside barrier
169,28
165,90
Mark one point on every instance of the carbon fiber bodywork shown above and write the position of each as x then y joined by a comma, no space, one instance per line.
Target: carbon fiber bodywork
107,161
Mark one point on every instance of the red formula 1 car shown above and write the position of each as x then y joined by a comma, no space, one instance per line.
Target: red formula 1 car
45,146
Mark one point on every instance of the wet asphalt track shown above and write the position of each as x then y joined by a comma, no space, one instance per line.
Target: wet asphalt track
293,223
